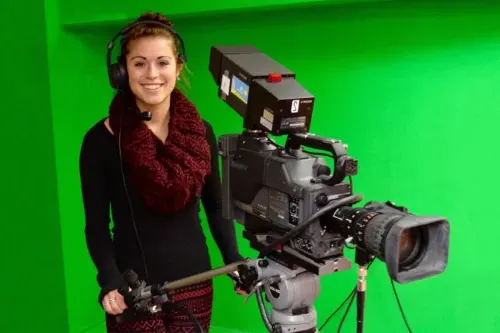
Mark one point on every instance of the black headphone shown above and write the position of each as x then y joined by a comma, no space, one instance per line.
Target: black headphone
117,72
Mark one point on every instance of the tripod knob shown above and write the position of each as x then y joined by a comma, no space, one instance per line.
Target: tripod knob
277,328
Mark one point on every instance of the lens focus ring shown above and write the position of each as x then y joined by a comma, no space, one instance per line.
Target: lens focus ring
374,234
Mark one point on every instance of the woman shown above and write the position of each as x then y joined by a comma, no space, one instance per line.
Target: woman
169,162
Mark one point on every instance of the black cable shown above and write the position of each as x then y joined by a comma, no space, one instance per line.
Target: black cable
352,199
351,296
399,305
338,309
132,214
186,312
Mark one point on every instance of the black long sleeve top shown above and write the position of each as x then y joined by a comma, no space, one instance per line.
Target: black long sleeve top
174,245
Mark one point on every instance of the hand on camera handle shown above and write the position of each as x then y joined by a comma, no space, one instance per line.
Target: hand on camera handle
117,301
114,303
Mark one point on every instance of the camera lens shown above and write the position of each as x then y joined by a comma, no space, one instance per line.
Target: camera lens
413,247
410,246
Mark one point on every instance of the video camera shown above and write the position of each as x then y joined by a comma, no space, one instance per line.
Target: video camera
296,211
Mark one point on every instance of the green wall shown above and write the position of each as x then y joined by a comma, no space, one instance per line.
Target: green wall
32,274
411,86
85,13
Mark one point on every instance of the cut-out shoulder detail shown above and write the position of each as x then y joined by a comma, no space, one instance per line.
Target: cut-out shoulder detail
106,123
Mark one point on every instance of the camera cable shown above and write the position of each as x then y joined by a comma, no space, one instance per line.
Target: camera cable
352,296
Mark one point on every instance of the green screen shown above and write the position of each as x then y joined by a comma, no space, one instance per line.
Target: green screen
33,294
411,87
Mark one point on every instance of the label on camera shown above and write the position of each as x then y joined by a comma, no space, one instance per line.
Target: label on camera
267,119
268,114
260,210
278,206
293,122
295,106
264,122
225,84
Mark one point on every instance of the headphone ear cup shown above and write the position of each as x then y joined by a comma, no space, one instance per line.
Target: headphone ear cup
118,77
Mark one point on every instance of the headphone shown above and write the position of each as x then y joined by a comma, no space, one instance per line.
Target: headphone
117,72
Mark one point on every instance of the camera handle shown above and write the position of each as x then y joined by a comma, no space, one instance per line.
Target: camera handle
344,164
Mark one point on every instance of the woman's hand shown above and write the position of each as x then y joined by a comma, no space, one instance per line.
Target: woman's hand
114,303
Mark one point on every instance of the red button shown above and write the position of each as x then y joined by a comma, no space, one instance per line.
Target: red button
274,77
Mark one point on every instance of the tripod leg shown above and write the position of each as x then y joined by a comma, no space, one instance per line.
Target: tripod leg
360,298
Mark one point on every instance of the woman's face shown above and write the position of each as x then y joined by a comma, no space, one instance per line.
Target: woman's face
152,69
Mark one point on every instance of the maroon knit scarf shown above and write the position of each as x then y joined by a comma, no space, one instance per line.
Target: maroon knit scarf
167,175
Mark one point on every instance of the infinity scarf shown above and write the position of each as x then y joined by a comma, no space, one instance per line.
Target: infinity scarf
167,175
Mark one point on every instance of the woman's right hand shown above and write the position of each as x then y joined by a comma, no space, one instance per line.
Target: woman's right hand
114,303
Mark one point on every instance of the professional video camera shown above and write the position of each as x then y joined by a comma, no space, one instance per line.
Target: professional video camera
297,212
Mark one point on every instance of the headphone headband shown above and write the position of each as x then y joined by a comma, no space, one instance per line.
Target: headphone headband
116,72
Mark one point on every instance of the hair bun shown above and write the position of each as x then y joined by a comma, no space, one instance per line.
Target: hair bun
159,17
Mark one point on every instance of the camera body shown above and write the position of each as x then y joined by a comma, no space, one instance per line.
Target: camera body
273,190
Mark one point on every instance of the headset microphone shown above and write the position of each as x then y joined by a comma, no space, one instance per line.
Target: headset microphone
144,115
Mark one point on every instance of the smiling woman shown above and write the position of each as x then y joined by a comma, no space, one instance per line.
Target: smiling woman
153,159
152,69
154,61
150,54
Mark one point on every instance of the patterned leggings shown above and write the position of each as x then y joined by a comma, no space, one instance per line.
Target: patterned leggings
197,299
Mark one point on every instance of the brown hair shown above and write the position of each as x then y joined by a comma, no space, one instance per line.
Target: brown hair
147,30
